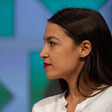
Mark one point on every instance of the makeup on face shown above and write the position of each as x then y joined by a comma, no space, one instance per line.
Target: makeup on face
46,64
60,54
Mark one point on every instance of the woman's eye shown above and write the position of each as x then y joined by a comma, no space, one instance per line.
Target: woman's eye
52,43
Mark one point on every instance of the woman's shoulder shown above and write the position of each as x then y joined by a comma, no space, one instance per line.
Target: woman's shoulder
48,100
105,95
108,92
104,101
45,103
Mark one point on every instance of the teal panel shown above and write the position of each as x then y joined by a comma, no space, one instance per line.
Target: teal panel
38,77
55,5
5,96
6,18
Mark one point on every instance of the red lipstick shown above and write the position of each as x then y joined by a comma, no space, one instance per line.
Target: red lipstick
46,65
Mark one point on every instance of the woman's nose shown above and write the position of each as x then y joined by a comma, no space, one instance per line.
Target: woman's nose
44,53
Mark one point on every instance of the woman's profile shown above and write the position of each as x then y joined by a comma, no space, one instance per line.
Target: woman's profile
78,52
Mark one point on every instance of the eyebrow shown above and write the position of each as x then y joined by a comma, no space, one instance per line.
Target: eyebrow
51,37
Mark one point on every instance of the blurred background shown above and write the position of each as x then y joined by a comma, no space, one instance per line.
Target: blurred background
22,23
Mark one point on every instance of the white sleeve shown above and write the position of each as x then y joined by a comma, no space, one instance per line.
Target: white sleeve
34,109
46,104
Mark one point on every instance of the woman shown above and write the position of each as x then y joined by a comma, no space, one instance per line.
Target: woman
78,51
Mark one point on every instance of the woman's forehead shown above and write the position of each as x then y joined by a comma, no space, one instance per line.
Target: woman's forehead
52,27
54,30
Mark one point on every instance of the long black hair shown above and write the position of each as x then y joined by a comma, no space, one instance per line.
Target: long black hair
86,24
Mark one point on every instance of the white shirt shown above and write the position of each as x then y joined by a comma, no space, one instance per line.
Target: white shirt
99,103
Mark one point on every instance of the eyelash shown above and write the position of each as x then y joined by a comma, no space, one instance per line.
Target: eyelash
52,43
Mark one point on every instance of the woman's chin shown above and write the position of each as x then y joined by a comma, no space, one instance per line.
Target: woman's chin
51,75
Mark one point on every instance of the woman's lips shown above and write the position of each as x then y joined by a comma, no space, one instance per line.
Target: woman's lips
46,65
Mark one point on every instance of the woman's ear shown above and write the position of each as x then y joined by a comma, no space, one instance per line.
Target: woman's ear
85,48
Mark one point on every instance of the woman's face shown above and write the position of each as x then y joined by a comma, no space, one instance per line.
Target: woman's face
60,52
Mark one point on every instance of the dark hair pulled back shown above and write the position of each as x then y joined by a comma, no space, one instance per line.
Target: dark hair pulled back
86,24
